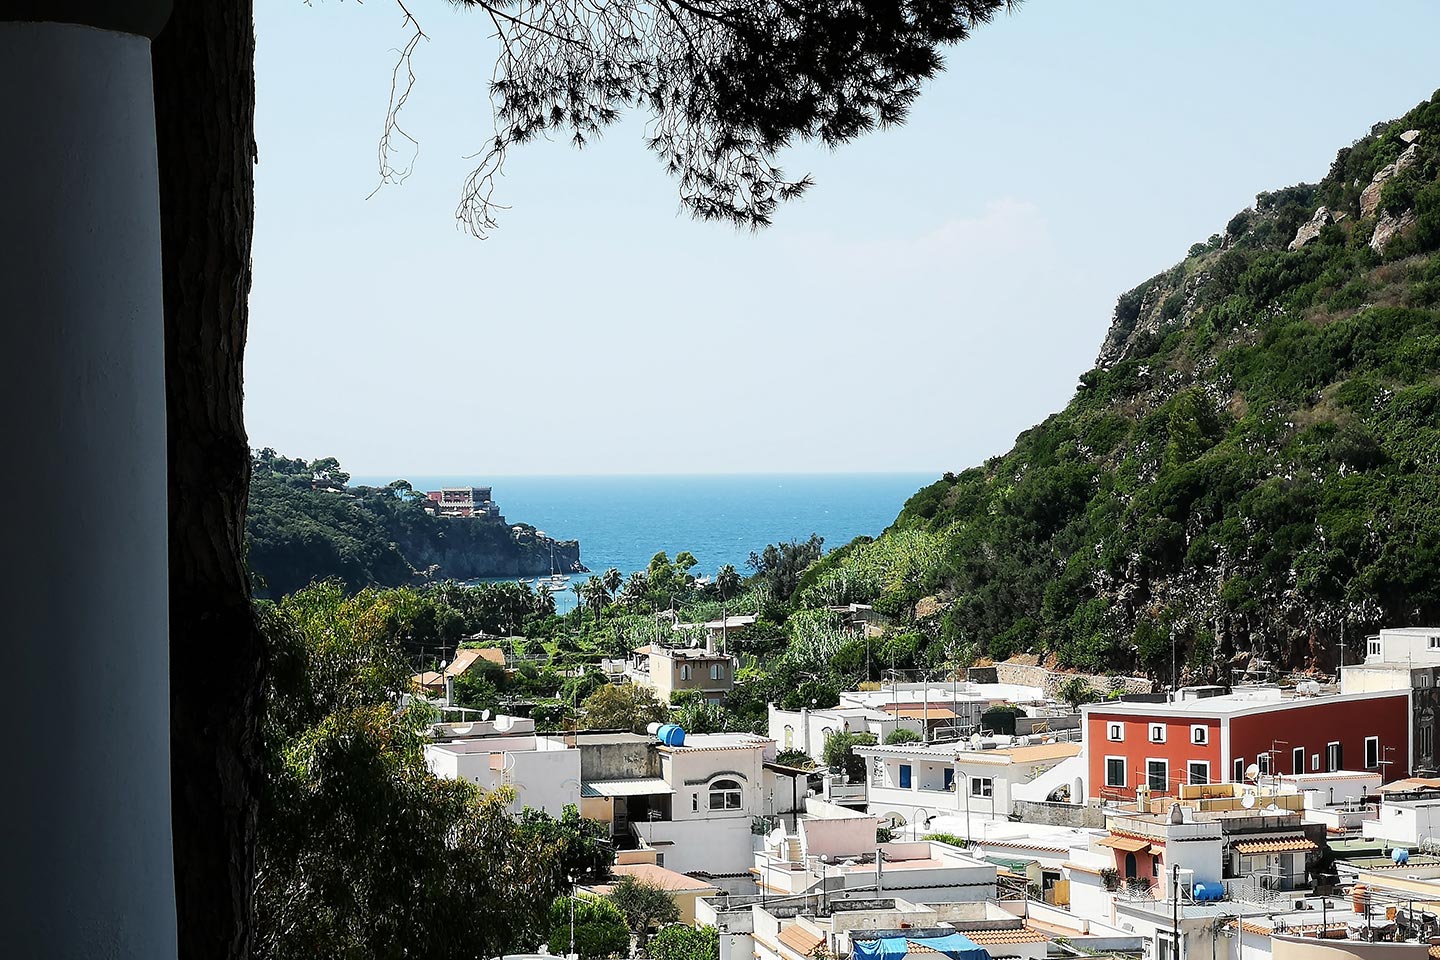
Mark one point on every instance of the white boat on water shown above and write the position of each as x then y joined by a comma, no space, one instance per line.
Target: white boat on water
557,586
526,580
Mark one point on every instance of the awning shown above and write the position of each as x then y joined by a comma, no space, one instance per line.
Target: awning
956,946
800,940
1128,844
641,787
934,712
1284,845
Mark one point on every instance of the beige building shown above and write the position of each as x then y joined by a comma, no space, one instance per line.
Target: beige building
672,669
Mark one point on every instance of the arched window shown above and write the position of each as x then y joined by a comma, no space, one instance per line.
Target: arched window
725,795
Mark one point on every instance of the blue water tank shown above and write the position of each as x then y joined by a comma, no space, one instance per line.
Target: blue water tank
671,734
1400,855
1208,891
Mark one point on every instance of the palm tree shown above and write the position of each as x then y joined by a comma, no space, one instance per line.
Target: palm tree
635,588
597,596
612,578
727,583
579,590
544,601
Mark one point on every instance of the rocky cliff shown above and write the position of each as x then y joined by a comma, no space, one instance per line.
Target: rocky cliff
299,530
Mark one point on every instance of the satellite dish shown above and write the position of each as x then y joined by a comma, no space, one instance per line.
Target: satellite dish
1248,800
484,715
1252,771
652,729
975,741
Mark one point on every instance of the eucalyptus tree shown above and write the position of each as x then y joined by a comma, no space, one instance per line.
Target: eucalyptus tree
727,86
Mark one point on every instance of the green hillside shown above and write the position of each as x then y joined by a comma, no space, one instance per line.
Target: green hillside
1252,465
298,530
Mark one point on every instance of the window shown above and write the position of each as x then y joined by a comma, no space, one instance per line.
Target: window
1114,771
1422,679
1297,760
1427,740
1155,864
1263,762
1314,762
695,802
905,775
949,778
1239,771
1333,756
725,795
1157,733
1199,771
982,787
1200,734
717,671
1372,753
1374,646
1115,731
1157,775
1434,643
685,671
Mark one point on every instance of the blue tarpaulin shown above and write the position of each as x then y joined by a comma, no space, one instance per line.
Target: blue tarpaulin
953,945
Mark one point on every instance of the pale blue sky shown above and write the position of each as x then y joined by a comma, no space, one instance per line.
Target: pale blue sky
938,290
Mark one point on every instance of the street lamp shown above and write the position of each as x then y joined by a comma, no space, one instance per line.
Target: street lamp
571,878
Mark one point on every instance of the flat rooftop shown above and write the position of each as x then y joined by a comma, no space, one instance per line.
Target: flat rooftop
1233,704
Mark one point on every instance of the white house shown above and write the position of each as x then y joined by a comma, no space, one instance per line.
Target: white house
544,772
913,783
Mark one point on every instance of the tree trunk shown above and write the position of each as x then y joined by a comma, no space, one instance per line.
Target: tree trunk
204,114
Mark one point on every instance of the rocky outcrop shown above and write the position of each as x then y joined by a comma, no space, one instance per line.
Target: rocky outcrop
1370,196
1311,229
1388,227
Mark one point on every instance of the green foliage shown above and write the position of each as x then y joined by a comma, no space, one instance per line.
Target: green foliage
1077,691
623,706
362,851
777,568
839,753
1242,474
304,524
901,735
644,905
953,839
600,929
795,758
686,943
1001,718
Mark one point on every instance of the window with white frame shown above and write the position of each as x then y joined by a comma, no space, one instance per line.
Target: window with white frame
1238,773
982,787
1372,753
1157,775
1199,733
725,795
1263,762
684,671
1114,771
1314,762
1115,730
1157,733
1199,771
717,671
1334,757
1297,760
1434,643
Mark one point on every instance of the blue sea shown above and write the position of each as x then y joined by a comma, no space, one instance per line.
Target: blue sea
622,521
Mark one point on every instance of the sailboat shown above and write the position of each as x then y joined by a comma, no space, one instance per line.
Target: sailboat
558,581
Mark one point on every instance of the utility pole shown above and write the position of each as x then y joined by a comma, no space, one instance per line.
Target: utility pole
1175,903
572,916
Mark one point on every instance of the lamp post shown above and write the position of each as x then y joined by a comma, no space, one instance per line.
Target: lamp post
571,878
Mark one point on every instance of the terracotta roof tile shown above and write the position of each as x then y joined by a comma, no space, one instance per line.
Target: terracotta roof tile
1287,845
799,939
987,937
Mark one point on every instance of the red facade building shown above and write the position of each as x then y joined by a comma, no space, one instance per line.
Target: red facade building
1217,739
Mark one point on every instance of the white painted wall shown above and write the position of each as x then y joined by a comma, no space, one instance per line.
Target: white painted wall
542,771
87,801
718,846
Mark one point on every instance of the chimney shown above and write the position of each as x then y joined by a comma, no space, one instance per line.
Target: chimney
449,690
709,643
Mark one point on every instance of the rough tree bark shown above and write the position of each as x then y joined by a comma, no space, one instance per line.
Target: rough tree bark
204,74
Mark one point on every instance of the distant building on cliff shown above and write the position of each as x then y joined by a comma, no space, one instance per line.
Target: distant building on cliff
464,502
